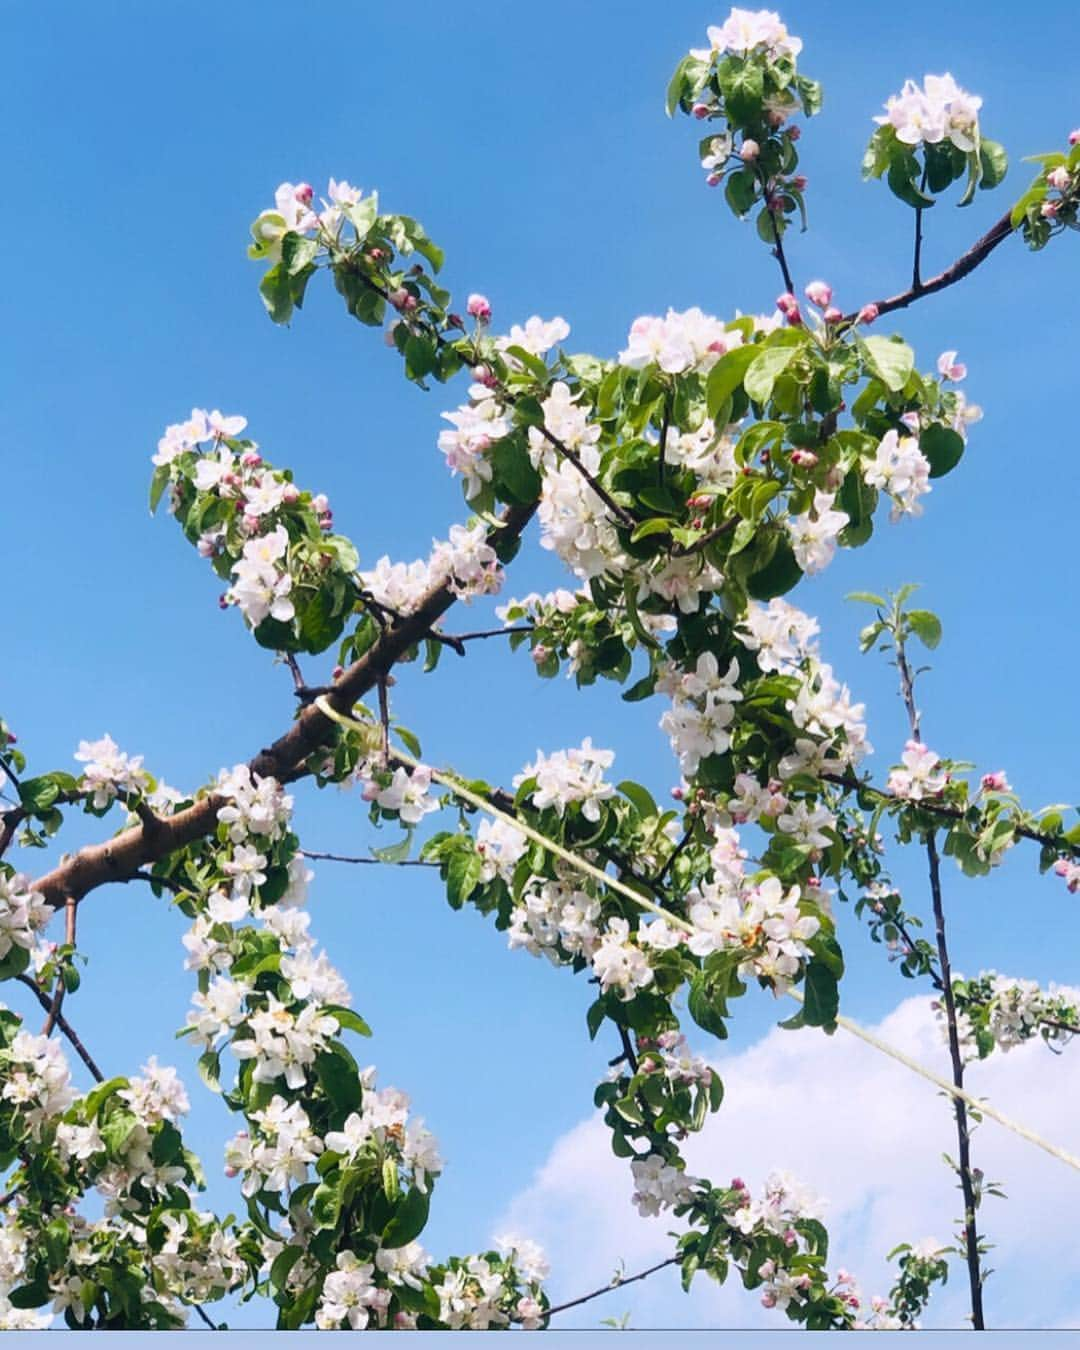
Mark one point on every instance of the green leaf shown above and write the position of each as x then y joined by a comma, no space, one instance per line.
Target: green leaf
822,996
595,1017
702,1006
762,372
463,876
926,625
647,527
158,484
994,161
903,179
276,291
336,1071
394,853
942,447
866,598
347,1020
408,1221
210,1070
890,360
727,375
38,794
517,480
777,577
641,799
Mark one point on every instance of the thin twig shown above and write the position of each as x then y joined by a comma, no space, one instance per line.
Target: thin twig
942,809
617,1283
299,682
686,550
379,862
66,1029
966,263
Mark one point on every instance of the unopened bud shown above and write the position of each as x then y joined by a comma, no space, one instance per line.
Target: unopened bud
868,313
479,307
700,111
304,193
749,151
819,293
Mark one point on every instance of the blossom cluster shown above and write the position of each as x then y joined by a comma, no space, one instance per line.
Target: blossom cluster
465,562
934,111
23,913
999,1012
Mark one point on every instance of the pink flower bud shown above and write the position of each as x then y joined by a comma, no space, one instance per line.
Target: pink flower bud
700,111
455,321
800,182
1074,137
785,302
1059,178
304,193
790,1237
768,1299
371,791
794,132
767,1270
677,793
868,313
479,307
714,180
819,293
251,459
539,653
833,315
402,299
794,317
844,1276
223,602
737,1184
749,151
995,782
291,494
1049,210
337,672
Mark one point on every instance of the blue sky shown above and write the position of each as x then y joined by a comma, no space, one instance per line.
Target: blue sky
532,144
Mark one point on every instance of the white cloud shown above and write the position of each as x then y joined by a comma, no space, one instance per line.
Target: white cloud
868,1135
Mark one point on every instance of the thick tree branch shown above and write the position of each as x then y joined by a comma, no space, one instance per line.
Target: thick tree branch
121,857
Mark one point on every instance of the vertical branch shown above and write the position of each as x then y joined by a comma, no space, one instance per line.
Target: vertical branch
384,719
963,1134
58,993
777,233
916,266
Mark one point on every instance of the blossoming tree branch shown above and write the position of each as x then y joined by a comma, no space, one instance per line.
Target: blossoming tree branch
687,484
